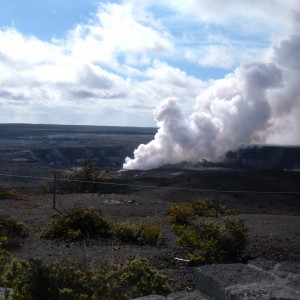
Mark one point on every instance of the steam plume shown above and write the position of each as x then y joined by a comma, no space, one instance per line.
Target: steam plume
258,103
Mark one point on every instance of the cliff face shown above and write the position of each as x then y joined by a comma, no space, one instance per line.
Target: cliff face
255,157
265,157
74,156
38,149
34,146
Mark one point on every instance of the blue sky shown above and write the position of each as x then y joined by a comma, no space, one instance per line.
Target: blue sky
112,62
45,19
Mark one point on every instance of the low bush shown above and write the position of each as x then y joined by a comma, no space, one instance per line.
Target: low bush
12,231
150,234
4,254
133,279
207,208
126,232
28,279
234,239
181,213
185,213
88,223
78,223
211,242
36,280
141,234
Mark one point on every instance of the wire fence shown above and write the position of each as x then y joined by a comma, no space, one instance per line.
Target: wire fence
217,192
54,178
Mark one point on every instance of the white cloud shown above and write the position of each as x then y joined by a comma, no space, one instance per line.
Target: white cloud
212,56
62,80
163,80
25,50
220,11
117,66
114,31
225,34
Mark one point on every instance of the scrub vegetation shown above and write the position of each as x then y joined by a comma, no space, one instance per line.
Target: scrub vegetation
186,212
212,242
88,223
35,280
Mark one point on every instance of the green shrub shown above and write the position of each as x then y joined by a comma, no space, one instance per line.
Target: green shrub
141,234
204,248
36,280
212,243
85,223
234,239
4,254
131,280
13,231
185,213
181,213
29,279
73,280
207,208
78,223
149,234
126,232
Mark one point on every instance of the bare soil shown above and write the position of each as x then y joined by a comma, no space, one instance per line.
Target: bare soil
274,229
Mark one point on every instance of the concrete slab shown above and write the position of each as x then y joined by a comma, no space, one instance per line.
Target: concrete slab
215,280
259,279
176,296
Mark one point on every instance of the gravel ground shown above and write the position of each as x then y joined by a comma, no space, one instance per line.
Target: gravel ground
275,237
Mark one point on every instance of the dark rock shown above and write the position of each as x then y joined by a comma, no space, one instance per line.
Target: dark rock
263,263
290,267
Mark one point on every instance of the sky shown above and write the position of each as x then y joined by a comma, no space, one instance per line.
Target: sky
115,62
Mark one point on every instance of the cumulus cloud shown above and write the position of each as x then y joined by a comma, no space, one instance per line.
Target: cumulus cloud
219,11
93,67
212,56
250,23
116,31
115,67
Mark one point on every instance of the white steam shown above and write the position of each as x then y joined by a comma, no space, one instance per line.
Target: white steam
258,103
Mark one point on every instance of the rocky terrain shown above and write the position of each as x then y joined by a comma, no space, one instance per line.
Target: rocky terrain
140,196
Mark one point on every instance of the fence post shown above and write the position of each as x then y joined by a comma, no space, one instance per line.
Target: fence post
217,201
54,191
